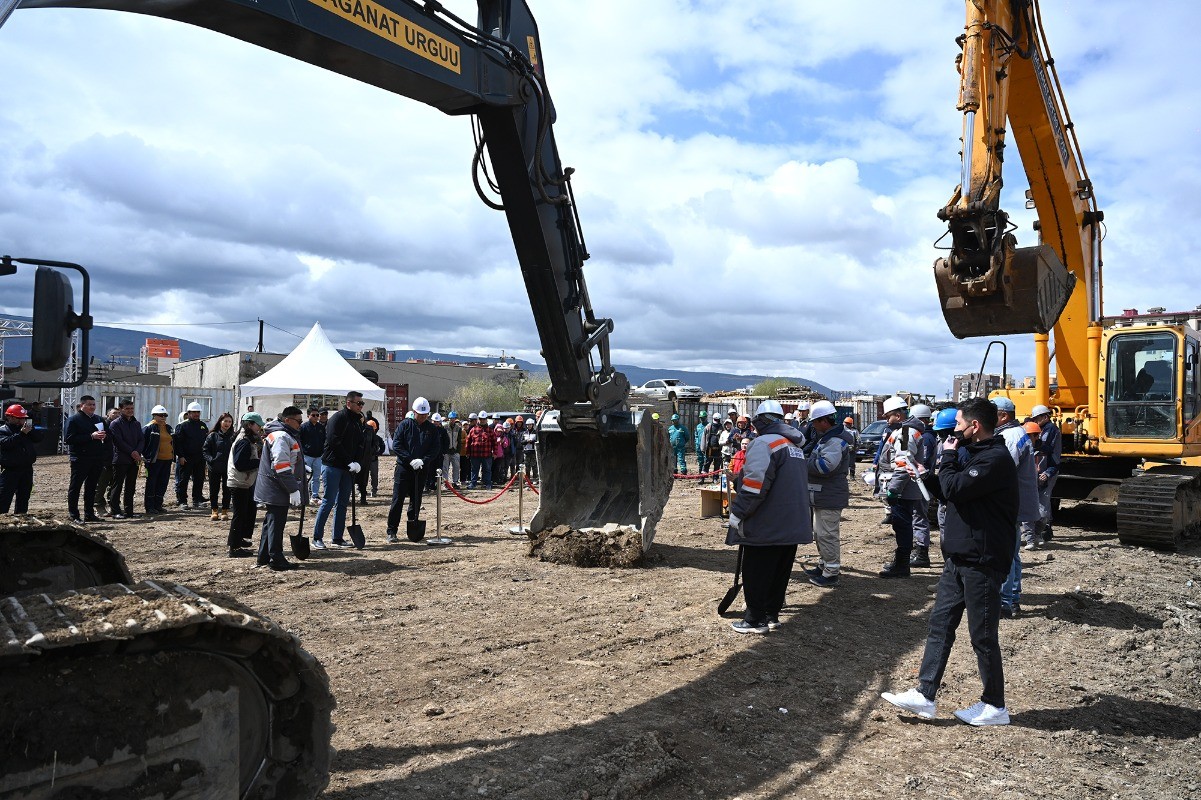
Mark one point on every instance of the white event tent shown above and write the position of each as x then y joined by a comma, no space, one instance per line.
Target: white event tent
314,367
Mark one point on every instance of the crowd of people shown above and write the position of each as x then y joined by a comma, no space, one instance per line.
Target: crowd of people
990,475
299,457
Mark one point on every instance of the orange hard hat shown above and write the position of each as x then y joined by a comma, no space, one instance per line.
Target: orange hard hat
16,410
520,419
1033,428
849,421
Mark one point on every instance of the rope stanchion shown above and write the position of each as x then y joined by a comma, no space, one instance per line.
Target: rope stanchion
696,476
530,484
496,496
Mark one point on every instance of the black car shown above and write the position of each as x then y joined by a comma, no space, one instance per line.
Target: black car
869,439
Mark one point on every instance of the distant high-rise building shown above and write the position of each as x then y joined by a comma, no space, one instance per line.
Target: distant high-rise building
376,354
158,355
973,384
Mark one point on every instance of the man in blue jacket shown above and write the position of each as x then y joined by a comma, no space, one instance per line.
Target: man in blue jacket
340,461
126,433
84,435
769,516
417,447
312,443
981,490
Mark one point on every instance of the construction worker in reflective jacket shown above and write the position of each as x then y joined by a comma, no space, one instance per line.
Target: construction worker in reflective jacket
829,458
769,516
900,464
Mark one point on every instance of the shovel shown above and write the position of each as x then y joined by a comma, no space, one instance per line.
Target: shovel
355,529
300,542
732,592
415,528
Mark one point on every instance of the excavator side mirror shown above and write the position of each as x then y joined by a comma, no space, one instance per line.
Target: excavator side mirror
53,320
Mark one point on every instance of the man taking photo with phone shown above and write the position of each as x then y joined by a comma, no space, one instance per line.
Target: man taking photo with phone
979,480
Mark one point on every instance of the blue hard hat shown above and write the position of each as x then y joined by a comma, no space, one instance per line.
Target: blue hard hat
945,420
675,417
453,415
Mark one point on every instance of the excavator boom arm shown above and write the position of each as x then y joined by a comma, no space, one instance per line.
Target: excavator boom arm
987,285
494,71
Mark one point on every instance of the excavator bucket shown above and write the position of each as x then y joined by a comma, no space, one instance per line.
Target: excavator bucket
591,479
1032,292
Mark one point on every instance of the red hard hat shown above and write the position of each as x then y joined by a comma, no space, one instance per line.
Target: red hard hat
16,410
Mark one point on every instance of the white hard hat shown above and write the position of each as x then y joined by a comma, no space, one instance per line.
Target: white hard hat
894,403
769,407
483,415
158,410
1039,410
922,411
473,415
410,415
788,415
803,405
822,408
508,425
436,418
421,405
194,406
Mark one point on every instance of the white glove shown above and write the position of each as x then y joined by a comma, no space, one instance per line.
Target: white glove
735,523
353,466
294,499
416,463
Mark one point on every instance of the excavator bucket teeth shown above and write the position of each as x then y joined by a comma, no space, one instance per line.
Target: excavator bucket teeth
590,478
1035,287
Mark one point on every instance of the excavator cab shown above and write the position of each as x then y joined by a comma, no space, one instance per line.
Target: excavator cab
1022,290
591,478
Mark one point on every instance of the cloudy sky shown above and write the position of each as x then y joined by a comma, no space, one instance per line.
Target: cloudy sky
757,181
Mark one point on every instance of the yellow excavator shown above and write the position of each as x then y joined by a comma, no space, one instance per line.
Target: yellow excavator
1127,390
118,689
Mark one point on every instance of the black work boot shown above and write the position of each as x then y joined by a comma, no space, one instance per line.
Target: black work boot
898,567
920,556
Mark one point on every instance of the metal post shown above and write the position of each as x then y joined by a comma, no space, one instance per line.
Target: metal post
520,529
438,538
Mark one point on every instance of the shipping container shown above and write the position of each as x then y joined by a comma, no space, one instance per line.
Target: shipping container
175,399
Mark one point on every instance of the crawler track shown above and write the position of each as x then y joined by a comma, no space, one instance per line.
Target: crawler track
1159,510
151,690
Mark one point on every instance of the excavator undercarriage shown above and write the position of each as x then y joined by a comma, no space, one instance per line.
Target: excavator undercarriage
1160,510
151,690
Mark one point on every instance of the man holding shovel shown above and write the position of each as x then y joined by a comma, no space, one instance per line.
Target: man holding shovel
340,460
416,445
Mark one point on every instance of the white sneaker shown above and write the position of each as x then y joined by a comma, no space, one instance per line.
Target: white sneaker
913,701
983,714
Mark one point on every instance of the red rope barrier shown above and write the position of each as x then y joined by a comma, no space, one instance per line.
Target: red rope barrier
698,475
530,484
496,496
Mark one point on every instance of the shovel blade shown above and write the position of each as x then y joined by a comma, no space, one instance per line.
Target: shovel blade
591,478
300,546
415,530
728,600
356,536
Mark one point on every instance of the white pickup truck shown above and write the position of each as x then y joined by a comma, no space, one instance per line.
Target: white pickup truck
668,389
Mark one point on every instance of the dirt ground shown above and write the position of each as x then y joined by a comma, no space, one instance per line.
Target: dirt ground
475,671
